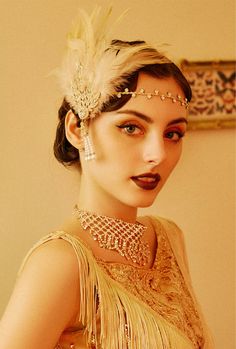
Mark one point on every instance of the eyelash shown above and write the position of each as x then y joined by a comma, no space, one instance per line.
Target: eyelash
125,127
179,134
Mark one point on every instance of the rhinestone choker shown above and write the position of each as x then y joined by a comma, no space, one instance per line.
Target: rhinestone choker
115,234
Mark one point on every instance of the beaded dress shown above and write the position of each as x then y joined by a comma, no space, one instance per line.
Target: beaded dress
131,307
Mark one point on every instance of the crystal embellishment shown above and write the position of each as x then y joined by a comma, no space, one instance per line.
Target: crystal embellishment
116,234
83,99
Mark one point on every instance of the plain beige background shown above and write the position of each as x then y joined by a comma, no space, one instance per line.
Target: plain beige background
37,193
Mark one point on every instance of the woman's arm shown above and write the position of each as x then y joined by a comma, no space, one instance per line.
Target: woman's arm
45,300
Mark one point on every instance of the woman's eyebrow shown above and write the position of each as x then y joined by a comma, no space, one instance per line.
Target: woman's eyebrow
136,113
148,119
178,121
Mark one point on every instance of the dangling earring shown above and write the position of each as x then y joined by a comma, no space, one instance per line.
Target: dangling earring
89,153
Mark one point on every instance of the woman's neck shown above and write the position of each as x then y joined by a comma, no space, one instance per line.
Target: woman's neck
102,203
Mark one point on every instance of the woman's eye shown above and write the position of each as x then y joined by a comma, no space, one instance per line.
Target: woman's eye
131,129
174,135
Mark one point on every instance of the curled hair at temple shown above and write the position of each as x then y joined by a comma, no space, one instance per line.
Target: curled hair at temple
65,152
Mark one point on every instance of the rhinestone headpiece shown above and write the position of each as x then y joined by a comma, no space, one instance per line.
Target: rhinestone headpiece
175,98
93,68
85,100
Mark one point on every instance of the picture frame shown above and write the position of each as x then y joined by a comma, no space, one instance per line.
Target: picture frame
213,83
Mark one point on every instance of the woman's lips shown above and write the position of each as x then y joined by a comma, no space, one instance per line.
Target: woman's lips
147,181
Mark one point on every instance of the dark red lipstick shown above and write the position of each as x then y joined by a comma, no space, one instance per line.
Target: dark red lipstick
147,181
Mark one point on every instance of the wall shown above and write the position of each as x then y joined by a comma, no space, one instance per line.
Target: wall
37,193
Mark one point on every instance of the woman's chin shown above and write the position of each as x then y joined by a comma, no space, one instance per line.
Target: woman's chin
147,202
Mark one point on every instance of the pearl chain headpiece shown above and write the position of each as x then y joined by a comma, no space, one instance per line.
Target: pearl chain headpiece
175,99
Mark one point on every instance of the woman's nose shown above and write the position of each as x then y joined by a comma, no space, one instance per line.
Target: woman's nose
154,150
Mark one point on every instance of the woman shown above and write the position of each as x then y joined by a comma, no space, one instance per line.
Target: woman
107,278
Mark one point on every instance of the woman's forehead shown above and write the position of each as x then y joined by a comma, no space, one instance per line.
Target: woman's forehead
165,85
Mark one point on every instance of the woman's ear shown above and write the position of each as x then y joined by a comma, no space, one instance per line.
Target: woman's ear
73,132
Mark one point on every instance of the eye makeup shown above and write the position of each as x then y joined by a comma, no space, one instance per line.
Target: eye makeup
131,128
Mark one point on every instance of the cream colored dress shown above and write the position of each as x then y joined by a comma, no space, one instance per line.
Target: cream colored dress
127,307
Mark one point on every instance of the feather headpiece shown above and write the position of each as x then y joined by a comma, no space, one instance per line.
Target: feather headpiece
93,68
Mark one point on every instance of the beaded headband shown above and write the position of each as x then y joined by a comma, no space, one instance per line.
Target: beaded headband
93,69
175,99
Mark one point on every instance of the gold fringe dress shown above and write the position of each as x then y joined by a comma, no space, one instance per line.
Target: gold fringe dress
129,307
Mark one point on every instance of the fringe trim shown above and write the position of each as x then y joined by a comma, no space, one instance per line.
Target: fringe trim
125,321
176,239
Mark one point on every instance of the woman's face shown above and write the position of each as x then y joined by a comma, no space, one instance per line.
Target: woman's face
137,146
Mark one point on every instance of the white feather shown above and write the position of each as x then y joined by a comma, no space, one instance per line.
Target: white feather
92,70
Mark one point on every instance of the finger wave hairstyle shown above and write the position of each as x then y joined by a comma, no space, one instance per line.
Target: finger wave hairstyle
65,152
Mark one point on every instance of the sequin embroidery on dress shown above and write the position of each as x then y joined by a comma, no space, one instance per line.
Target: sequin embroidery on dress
163,288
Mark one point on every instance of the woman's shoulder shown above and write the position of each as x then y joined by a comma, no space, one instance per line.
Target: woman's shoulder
48,273
57,249
170,227
53,256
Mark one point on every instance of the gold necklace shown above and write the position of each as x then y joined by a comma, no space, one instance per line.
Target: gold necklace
116,234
